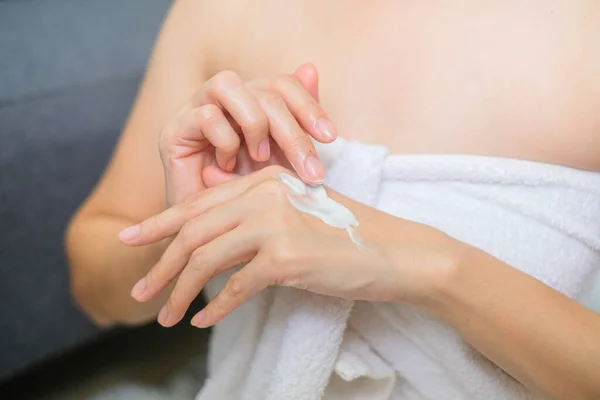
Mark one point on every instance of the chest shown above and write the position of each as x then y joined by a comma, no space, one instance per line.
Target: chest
435,74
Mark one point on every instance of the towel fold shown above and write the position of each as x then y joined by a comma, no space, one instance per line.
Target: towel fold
359,373
289,344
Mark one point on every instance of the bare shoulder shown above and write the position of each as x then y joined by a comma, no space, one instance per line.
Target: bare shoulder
249,36
218,28
198,39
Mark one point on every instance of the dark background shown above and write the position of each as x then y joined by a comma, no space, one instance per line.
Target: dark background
69,71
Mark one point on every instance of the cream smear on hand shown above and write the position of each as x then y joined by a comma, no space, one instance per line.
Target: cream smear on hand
313,200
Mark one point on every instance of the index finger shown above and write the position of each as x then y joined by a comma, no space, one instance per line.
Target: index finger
227,90
292,139
170,221
303,105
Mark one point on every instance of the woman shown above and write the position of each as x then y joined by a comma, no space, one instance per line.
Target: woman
508,80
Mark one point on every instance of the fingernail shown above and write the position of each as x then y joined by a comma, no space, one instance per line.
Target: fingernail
264,150
199,319
163,316
325,128
129,233
314,169
139,288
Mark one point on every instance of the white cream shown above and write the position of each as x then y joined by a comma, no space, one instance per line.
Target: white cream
313,200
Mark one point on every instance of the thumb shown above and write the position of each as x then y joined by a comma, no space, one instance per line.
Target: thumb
213,176
309,77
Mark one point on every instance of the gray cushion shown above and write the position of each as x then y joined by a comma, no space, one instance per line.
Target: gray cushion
48,44
53,150
69,71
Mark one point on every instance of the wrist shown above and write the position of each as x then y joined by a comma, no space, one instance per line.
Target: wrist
445,261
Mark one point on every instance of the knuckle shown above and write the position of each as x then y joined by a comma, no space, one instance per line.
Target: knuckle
235,286
273,190
155,278
255,125
312,111
193,205
269,98
174,303
151,277
225,79
206,114
151,225
282,251
192,199
198,260
147,226
218,306
231,145
300,141
154,226
279,82
187,233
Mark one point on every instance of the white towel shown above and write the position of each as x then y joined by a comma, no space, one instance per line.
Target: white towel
290,344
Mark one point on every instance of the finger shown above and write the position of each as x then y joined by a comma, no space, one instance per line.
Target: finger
292,139
305,108
240,287
194,234
278,158
309,78
184,138
206,123
213,176
155,228
307,111
220,134
323,129
227,90
170,221
215,257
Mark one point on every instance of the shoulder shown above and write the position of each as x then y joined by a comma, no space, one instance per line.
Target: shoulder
213,30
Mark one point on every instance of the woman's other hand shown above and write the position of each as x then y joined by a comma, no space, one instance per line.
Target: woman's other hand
229,123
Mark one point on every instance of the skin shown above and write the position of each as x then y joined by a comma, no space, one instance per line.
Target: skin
250,220
508,79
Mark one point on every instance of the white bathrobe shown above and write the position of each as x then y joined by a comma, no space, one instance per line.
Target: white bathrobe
290,344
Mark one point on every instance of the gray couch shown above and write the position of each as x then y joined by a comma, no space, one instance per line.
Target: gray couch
69,70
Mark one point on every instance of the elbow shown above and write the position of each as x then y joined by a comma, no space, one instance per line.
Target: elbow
590,392
581,388
92,287
593,390
102,313
81,283
587,384
81,291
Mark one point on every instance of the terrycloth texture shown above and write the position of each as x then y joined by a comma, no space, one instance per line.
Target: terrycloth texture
283,344
288,344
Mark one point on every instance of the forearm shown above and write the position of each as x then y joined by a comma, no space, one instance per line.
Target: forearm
103,270
539,336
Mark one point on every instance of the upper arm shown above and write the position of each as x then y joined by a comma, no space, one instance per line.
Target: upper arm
132,186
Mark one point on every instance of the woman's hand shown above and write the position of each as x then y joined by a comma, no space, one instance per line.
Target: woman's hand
229,123
250,220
